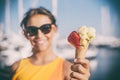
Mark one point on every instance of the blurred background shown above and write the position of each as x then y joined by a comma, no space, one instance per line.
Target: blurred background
103,15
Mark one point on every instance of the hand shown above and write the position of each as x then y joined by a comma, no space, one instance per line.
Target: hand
81,69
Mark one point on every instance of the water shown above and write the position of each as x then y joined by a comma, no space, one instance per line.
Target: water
108,67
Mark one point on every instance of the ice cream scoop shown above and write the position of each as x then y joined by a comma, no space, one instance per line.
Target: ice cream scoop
80,39
74,39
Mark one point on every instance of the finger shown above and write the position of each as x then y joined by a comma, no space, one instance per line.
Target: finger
78,76
83,62
79,68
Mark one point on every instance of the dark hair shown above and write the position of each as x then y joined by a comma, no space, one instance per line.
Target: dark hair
34,11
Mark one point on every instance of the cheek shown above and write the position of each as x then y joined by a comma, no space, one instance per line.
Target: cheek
31,40
50,36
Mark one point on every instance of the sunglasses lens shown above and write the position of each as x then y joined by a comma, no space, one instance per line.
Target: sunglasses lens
32,31
46,28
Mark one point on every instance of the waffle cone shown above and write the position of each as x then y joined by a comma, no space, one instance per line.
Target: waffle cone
81,51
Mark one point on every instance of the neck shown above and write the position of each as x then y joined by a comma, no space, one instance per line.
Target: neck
44,56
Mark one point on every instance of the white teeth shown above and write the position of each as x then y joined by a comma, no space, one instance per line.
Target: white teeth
40,41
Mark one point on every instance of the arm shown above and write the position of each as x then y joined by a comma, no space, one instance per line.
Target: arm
67,70
15,66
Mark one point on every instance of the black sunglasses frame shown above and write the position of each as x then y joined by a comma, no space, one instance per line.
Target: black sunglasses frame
33,30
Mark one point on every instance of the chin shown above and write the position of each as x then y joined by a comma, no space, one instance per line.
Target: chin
39,49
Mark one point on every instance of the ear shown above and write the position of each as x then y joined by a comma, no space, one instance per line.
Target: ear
25,33
54,27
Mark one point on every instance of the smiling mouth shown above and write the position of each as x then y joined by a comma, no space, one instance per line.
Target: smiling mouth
40,42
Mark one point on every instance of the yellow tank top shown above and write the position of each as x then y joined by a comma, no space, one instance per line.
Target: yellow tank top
28,71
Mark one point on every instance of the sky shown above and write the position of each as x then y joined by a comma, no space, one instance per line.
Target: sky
71,14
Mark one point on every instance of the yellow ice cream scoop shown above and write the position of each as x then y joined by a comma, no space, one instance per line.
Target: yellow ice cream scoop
86,34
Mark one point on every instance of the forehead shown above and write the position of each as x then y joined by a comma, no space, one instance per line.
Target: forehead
38,20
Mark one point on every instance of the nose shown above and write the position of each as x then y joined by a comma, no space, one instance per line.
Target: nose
40,34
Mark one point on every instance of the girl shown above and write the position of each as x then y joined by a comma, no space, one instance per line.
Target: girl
39,27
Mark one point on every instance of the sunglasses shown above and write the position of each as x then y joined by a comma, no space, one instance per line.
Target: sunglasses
33,30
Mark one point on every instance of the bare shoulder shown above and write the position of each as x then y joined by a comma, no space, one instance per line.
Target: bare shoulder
67,69
15,66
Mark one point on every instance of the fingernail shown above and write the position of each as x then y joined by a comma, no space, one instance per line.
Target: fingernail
75,60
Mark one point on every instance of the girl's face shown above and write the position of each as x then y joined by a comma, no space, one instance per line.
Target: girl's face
42,41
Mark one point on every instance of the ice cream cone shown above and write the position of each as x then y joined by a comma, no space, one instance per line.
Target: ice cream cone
81,39
81,51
